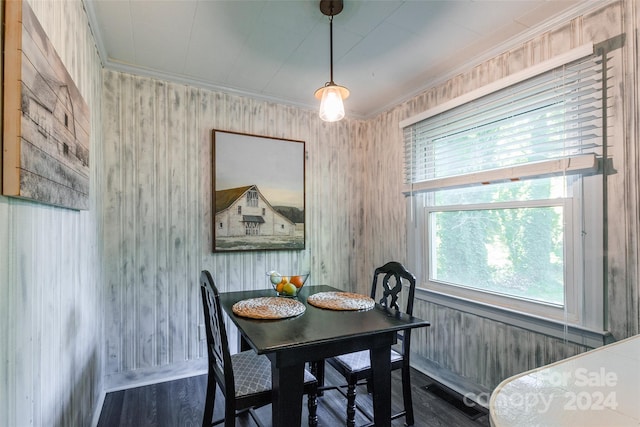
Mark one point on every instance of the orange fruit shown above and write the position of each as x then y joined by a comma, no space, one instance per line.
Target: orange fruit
280,286
297,281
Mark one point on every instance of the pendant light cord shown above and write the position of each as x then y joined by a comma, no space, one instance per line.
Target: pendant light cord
331,43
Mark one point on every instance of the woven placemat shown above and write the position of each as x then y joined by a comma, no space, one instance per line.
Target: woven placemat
341,301
268,308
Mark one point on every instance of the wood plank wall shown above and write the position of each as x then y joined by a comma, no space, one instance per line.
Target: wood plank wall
485,351
157,211
51,289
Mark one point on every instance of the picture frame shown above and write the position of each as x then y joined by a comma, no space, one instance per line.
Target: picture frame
258,192
46,121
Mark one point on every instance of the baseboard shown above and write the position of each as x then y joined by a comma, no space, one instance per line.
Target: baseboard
470,409
460,385
153,375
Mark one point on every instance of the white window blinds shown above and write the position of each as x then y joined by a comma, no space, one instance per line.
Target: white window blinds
547,124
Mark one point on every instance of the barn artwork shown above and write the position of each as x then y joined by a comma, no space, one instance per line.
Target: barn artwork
46,120
258,197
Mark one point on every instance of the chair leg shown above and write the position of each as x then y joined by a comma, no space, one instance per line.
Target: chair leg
317,369
312,403
229,413
351,404
406,395
209,402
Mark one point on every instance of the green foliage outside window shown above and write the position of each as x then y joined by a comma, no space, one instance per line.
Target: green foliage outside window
517,251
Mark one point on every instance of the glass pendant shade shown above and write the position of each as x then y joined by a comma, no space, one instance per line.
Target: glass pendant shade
331,95
331,106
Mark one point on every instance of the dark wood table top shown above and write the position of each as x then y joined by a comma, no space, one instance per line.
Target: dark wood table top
316,326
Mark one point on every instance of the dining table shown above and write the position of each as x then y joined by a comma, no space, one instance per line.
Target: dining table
314,335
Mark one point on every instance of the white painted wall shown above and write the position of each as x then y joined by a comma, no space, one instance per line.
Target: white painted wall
158,211
51,287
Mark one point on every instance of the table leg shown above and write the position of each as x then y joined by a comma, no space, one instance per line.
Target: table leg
288,388
381,377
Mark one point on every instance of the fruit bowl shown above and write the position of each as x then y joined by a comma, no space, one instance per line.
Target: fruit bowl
287,285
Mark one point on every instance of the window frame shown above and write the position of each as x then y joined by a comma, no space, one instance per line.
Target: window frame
569,311
586,326
583,320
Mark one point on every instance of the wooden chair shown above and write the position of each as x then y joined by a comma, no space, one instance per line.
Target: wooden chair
244,378
357,366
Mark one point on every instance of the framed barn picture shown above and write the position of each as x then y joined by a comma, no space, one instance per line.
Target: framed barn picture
258,192
46,121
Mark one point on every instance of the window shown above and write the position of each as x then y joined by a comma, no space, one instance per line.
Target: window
252,198
507,199
516,249
239,210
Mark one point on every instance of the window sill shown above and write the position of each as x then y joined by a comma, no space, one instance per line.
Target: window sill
571,333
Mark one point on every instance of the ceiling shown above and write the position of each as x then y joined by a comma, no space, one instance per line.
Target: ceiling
385,51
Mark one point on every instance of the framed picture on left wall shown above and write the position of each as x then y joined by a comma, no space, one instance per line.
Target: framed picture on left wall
46,121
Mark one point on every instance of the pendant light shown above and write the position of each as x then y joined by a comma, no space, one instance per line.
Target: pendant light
331,95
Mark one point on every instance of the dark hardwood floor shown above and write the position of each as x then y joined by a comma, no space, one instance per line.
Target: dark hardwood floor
180,403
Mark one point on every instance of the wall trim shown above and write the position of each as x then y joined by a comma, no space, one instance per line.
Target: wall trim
466,388
571,333
156,374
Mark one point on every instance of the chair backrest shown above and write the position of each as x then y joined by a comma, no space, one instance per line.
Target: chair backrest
217,344
390,294
391,291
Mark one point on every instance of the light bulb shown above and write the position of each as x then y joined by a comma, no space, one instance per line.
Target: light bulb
331,106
